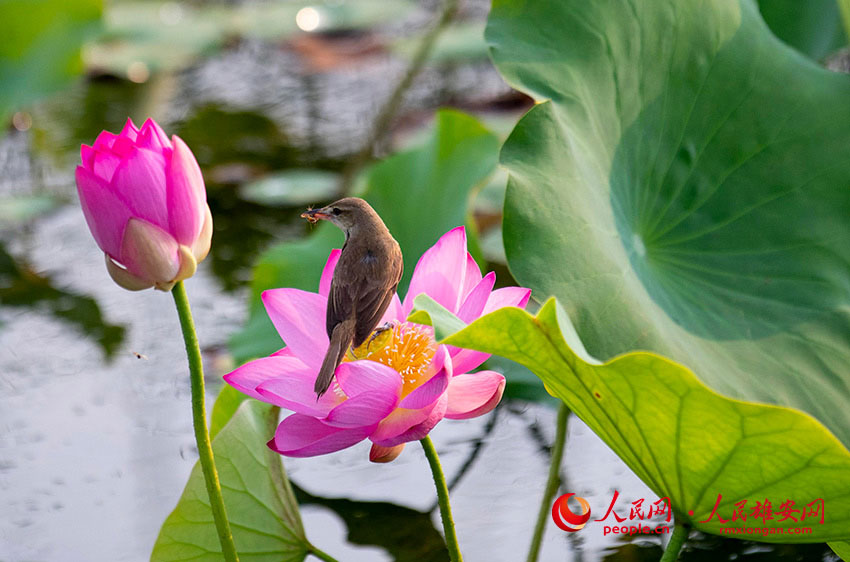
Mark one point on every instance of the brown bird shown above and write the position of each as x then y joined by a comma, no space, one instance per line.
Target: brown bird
364,281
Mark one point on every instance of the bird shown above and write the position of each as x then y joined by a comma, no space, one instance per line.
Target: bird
367,274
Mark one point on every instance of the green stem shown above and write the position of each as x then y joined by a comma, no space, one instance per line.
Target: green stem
320,554
385,117
552,482
199,420
442,499
677,541
844,7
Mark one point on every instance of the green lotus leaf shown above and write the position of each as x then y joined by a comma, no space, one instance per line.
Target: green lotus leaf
684,191
226,403
260,504
702,450
429,312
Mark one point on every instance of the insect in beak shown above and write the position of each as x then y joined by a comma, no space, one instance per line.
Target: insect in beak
313,215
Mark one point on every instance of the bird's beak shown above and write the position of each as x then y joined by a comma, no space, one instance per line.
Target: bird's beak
313,215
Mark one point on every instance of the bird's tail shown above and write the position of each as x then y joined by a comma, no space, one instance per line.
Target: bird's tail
340,340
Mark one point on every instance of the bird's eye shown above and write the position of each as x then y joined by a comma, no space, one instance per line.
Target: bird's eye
336,211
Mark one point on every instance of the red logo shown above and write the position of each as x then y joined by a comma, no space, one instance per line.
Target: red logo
565,518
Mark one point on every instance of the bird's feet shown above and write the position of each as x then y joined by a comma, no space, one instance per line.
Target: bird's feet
378,331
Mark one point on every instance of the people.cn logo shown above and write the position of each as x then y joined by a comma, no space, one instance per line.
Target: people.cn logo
564,517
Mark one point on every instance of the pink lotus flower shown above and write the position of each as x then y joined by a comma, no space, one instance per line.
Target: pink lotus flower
392,390
144,201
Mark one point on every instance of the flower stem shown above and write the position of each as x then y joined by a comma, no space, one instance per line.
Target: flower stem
552,482
442,499
677,541
199,420
321,555
387,113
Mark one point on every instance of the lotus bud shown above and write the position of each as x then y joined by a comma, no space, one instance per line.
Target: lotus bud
382,454
144,201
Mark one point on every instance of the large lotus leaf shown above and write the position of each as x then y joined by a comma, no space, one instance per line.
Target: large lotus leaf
685,191
420,193
685,441
260,504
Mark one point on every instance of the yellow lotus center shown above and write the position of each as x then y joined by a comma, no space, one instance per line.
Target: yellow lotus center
407,348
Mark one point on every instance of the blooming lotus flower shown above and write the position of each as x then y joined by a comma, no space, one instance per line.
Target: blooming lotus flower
144,200
393,389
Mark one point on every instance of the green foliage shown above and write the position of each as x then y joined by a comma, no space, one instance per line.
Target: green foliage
429,312
224,408
405,533
683,440
260,504
421,194
40,50
813,27
684,192
841,548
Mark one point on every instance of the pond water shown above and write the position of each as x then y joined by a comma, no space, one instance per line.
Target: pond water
95,430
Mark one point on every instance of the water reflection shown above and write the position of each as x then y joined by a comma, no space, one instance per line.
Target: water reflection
21,286
408,535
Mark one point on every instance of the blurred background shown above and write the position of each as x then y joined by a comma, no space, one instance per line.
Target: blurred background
285,104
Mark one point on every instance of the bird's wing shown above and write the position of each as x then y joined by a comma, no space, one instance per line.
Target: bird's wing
352,295
340,304
370,313
367,292
374,302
